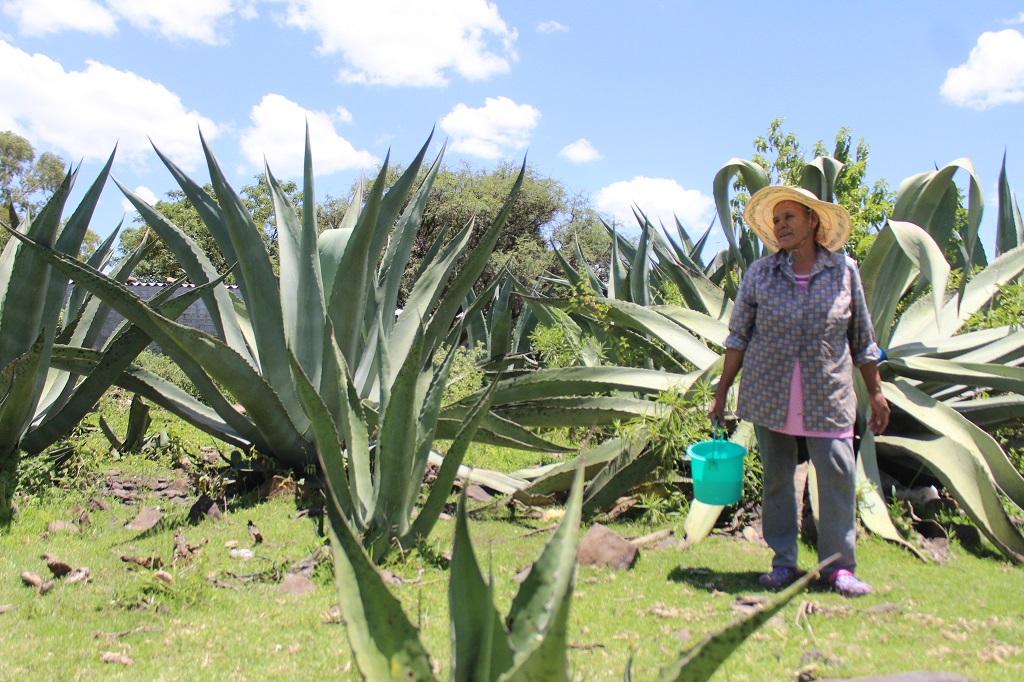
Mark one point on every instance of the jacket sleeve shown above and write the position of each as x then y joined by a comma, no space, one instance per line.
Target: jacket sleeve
861,334
744,310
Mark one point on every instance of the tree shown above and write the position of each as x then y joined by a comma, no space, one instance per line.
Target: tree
781,155
27,182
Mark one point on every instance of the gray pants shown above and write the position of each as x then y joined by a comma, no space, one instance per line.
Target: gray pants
836,469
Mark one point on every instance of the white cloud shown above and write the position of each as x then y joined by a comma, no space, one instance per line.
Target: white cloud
551,26
580,151
40,17
396,42
85,113
278,133
500,126
198,20
142,192
659,199
1019,19
993,74
179,20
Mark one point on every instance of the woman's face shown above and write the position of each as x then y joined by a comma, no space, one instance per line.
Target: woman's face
794,224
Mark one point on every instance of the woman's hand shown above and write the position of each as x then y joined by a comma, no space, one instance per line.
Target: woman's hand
879,418
717,410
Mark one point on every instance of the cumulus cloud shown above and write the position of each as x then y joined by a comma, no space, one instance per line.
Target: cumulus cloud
278,133
551,26
993,74
41,17
395,42
659,199
199,20
500,126
85,113
142,192
580,151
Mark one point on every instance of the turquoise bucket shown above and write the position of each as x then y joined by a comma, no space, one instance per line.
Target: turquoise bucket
717,469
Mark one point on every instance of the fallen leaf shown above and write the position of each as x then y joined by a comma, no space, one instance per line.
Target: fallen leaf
254,533
146,562
31,579
164,577
58,568
80,574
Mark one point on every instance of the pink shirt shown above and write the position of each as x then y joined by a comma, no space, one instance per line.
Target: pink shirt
794,425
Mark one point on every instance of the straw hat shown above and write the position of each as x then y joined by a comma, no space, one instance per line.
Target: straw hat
834,221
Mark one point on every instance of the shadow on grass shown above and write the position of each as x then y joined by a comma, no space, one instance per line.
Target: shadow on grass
731,582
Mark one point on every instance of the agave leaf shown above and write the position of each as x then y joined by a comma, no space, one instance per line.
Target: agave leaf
538,615
701,662
328,447
352,283
17,398
431,510
949,373
705,326
123,347
583,411
926,255
871,506
968,480
21,273
183,344
494,430
568,381
650,321
199,269
303,309
98,261
397,441
631,467
640,272
210,213
618,278
385,644
991,413
917,324
480,648
819,176
754,177
262,294
943,420
1009,226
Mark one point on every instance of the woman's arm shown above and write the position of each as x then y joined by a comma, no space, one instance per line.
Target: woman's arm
730,368
879,418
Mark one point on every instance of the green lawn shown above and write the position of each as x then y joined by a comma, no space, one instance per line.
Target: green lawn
966,616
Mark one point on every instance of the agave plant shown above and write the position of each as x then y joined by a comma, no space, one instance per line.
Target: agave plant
530,643
44,326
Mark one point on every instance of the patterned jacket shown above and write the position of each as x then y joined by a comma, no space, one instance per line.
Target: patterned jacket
827,326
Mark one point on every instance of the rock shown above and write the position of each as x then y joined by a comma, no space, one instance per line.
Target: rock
58,568
243,554
603,547
204,508
114,657
79,575
147,518
61,527
97,504
31,579
297,584
477,493
80,515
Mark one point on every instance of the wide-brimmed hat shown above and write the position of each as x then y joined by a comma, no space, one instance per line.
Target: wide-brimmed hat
834,221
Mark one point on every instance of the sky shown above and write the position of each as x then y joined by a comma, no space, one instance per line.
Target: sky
635,103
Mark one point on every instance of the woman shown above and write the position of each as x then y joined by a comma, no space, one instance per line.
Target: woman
799,325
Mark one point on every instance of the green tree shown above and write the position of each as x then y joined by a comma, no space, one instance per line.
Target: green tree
26,181
782,156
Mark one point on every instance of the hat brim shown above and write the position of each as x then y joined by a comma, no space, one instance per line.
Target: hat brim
834,220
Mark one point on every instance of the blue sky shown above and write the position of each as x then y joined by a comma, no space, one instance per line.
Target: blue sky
632,102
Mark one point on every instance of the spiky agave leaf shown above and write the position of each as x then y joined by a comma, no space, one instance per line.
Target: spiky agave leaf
701,662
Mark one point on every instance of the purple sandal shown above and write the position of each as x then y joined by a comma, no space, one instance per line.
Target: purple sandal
846,584
781,576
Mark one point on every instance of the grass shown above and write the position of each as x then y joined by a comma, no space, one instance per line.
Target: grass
964,616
